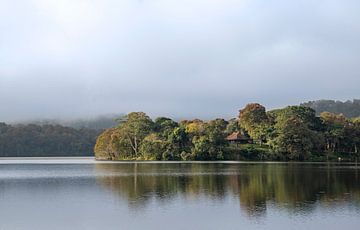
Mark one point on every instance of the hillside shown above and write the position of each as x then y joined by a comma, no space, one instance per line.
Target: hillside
349,108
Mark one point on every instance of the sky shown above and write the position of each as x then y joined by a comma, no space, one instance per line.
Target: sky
177,58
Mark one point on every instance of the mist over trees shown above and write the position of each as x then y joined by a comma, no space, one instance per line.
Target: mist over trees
348,108
97,123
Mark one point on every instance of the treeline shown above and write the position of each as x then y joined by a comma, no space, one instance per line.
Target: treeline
97,123
348,108
45,140
292,133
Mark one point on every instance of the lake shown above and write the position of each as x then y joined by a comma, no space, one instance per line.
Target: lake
83,194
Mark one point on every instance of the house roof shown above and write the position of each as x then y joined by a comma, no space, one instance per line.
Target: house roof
235,136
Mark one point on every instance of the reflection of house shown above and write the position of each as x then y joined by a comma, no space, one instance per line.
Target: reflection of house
239,138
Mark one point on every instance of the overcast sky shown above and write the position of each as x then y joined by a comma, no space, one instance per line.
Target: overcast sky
180,58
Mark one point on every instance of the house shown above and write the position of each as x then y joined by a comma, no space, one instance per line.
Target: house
239,138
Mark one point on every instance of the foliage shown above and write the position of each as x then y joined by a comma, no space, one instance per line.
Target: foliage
96,123
45,140
254,120
297,132
291,133
348,108
294,138
232,126
138,137
134,128
153,148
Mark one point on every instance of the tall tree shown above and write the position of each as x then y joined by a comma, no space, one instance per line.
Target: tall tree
254,120
135,127
294,139
334,129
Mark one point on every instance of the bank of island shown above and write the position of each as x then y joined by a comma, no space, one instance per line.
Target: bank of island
292,133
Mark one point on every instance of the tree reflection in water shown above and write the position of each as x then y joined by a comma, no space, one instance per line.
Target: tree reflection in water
295,187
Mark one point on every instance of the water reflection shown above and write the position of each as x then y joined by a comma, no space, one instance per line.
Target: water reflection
293,187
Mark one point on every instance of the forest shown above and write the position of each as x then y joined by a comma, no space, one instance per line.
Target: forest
348,108
46,140
97,123
293,133
52,137
309,132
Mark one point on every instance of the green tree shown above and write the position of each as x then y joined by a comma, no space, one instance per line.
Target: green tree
294,139
254,120
164,126
297,132
103,147
210,144
135,127
179,139
334,129
153,147
305,114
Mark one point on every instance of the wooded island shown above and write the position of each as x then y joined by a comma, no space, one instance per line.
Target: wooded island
291,133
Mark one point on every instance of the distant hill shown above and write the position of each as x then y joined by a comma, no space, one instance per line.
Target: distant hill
45,138
45,141
349,108
97,123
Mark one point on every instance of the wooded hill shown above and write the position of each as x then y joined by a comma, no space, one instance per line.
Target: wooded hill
45,140
349,108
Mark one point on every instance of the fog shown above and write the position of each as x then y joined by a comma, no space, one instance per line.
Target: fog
179,58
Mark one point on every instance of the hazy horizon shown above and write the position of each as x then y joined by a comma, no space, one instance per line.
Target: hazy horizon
91,117
183,59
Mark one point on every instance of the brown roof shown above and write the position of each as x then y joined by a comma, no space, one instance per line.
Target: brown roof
235,136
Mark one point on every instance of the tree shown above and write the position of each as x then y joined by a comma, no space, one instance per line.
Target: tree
46,140
305,114
103,147
164,126
294,139
297,132
356,135
348,108
210,144
334,129
254,120
232,126
153,147
179,139
194,127
135,127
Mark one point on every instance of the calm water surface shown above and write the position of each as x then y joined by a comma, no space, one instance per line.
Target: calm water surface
84,195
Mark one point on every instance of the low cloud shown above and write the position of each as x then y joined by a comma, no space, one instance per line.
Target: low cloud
65,59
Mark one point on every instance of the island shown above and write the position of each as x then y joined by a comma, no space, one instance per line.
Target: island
293,133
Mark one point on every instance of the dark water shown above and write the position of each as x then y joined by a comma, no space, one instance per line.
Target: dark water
179,196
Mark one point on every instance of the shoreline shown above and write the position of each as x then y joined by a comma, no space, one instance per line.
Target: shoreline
92,160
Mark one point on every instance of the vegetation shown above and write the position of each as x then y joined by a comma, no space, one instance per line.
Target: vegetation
45,140
291,133
138,137
348,108
97,123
